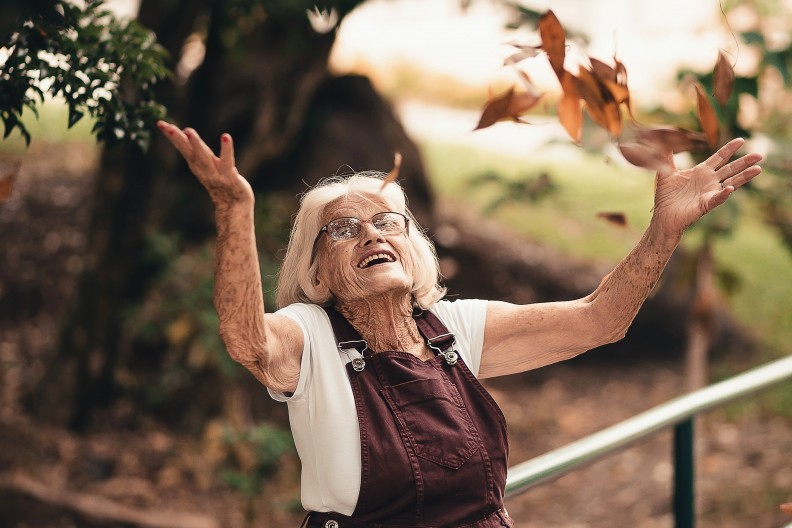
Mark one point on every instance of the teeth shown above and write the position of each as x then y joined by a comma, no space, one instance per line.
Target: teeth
365,262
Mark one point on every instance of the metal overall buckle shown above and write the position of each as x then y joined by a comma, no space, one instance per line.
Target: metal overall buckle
449,355
358,363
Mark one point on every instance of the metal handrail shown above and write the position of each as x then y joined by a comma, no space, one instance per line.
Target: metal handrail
560,461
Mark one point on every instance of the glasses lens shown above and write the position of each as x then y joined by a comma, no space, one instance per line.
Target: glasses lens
343,228
388,223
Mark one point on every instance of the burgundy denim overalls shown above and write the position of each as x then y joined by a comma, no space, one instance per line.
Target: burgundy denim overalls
433,441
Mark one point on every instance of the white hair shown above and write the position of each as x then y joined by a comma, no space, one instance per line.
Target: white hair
297,279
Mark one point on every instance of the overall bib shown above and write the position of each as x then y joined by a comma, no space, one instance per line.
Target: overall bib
433,441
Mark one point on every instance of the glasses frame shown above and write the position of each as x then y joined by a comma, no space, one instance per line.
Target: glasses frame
325,230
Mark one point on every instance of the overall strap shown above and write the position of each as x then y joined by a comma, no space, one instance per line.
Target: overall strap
345,334
430,326
434,331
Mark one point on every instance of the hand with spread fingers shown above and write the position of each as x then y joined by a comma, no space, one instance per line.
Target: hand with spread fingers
217,174
684,196
362,332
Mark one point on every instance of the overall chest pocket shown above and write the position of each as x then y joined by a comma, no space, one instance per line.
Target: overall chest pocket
431,414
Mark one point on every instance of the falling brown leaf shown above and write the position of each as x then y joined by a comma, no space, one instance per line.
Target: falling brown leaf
601,105
528,83
722,79
602,70
620,92
671,138
7,179
708,118
614,78
394,173
510,105
617,219
621,72
553,41
644,156
570,113
525,52
787,508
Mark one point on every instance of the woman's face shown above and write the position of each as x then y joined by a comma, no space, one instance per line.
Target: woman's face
346,266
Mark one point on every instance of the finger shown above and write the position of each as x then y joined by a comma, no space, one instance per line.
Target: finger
176,137
227,159
719,197
743,177
724,154
738,165
666,168
202,153
669,161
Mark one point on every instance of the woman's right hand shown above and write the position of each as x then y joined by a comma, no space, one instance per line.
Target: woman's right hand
218,175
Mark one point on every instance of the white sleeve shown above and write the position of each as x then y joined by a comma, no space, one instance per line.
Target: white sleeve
306,318
465,318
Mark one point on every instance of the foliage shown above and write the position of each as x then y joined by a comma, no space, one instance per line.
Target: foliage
524,189
257,452
178,312
101,67
177,317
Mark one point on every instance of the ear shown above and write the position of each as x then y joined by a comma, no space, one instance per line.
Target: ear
320,288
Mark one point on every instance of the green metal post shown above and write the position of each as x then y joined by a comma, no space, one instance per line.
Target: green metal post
684,475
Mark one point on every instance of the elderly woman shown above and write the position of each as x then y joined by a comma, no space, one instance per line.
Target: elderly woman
380,374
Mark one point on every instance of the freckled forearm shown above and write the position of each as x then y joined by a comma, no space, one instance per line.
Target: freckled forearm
238,296
622,292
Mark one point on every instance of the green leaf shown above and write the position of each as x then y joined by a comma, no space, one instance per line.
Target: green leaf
753,37
74,115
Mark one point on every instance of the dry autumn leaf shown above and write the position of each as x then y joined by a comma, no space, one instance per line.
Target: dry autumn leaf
644,156
602,70
528,83
394,173
570,113
553,41
7,179
601,105
615,80
510,105
722,79
620,91
670,138
525,52
617,219
708,118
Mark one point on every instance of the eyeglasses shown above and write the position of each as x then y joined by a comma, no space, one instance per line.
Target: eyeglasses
348,228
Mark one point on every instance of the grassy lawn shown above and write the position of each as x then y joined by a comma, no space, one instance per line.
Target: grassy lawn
587,185
51,126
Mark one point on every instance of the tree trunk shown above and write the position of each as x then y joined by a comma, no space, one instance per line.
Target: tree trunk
265,81
271,90
82,375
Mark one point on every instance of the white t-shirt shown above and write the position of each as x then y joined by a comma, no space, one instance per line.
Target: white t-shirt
322,409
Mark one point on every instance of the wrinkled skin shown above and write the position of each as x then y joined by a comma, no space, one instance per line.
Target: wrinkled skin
377,300
375,297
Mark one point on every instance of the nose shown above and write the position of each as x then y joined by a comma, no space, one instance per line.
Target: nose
370,235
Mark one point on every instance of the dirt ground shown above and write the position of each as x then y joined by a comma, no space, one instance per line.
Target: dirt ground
51,477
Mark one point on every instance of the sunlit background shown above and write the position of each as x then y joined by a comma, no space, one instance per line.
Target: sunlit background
436,62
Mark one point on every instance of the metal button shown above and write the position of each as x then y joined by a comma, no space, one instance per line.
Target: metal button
358,364
331,524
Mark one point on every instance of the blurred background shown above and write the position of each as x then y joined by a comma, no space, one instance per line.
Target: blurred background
118,403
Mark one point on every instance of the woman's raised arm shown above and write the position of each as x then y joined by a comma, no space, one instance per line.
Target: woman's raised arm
520,338
270,346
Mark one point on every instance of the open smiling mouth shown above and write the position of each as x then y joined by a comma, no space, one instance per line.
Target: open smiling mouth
377,258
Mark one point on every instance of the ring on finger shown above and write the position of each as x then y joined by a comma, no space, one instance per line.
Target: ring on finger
722,185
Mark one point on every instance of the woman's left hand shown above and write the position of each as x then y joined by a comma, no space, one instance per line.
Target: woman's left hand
684,196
